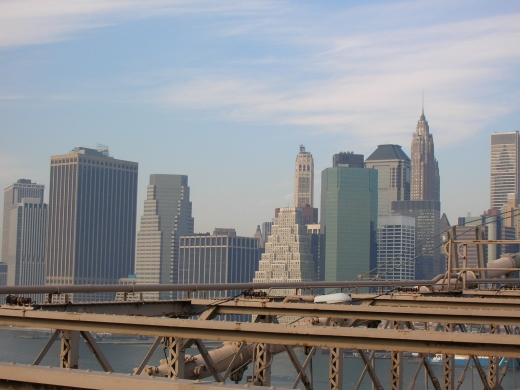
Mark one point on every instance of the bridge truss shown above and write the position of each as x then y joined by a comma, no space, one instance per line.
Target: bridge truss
396,320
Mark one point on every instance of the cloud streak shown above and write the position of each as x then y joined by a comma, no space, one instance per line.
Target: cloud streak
365,84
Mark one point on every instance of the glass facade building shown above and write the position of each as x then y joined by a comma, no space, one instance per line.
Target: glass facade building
92,219
349,221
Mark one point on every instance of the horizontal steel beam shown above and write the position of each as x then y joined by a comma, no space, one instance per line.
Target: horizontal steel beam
359,338
86,379
134,288
177,308
493,301
363,312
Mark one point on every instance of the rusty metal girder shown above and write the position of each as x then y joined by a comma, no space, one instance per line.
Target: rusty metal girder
360,338
18,374
365,312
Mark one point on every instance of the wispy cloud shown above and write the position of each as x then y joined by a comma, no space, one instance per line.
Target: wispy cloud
29,22
364,84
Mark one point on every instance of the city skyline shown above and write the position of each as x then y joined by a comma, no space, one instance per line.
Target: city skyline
225,93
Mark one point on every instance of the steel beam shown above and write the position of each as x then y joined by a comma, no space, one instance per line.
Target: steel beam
18,375
96,351
48,346
448,364
175,357
69,351
397,340
396,364
365,312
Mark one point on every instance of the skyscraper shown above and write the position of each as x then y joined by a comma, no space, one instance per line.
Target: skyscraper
287,256
92,217
349,218
425,179
304,179
505,167
167,216
428,262
220,258
393,167
23,241
396,248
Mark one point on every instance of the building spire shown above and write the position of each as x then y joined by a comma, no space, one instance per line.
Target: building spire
423,102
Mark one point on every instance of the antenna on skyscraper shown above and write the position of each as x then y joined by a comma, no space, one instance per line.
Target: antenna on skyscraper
423,101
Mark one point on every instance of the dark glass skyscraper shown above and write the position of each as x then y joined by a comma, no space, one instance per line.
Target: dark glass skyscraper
349,219
92,219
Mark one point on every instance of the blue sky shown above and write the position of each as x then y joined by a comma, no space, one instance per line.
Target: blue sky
226,91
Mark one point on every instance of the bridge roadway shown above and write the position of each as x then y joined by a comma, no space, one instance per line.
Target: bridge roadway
396,315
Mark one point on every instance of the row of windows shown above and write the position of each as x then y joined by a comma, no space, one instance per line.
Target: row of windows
94,162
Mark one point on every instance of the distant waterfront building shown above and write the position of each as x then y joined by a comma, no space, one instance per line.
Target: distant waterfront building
349,218
287,256
393,166
91,220
396,247
259,237
426,213
266,230
505,167
348,160
510,213
25,222
167,216
318,256
3,274
222,257
304,179
425,179
3,280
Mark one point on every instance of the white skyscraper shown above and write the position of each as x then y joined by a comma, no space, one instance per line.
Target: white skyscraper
505,164
167,216
304,179
395,247
287,256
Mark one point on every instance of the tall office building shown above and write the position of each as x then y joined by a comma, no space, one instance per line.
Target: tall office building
349,218
393,167
304,179
505,167
222,257
287,256
3,274
25,219
428,262
396,248
92,219
266,231
425,179
167,216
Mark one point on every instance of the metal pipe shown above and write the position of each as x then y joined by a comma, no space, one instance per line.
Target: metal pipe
134,288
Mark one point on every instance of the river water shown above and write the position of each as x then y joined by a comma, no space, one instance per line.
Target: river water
22,346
